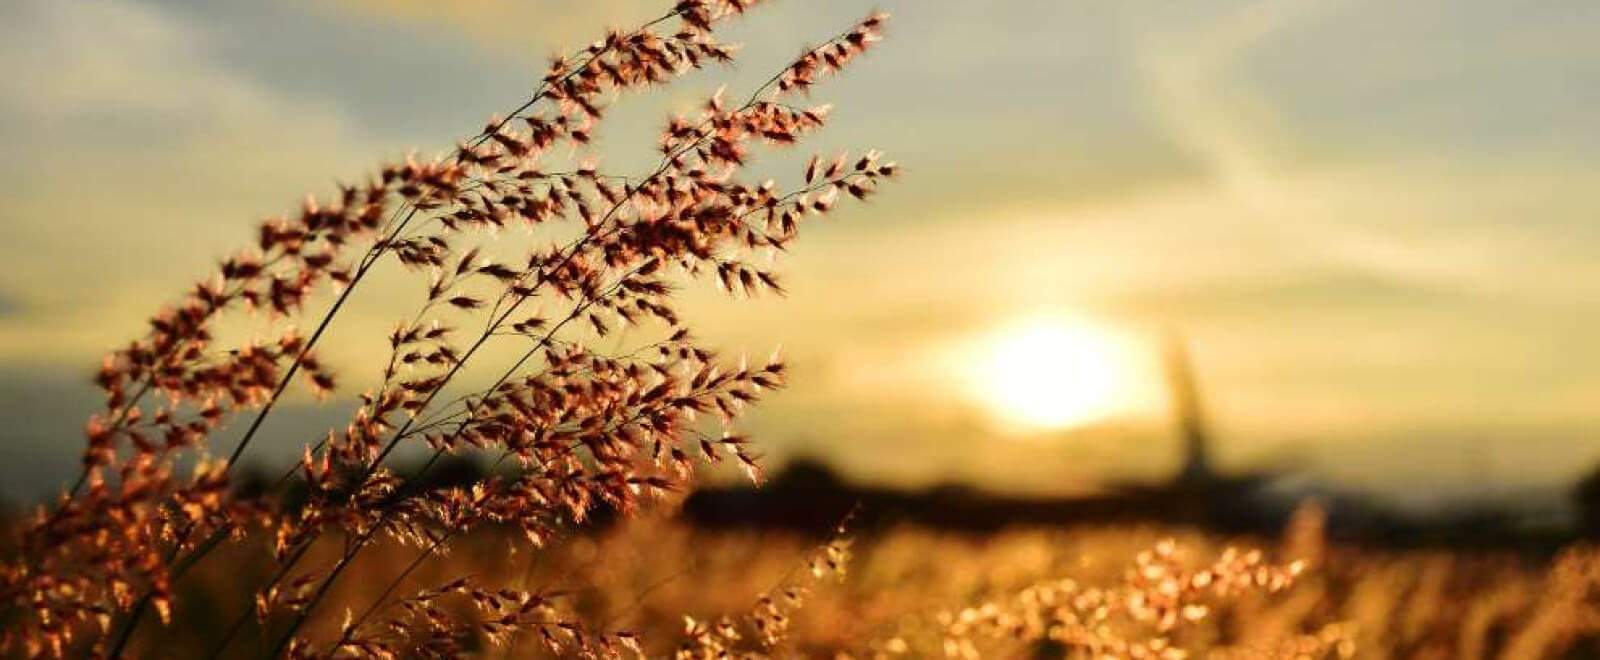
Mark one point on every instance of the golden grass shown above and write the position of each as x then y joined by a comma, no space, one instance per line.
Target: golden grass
576,428
920,593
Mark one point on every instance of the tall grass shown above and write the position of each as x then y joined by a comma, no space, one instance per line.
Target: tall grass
569,428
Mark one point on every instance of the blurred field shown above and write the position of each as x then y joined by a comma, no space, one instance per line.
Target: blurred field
903,586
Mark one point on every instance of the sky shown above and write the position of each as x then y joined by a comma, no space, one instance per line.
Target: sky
1372,223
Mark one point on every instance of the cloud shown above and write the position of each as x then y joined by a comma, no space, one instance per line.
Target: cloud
136,156
507,25
1380,212
58,66
96,61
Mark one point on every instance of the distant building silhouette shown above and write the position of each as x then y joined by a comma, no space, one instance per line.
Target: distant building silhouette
1187,412
808,495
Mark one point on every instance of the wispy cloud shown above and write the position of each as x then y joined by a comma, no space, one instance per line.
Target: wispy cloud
130,152
1352,211
505,25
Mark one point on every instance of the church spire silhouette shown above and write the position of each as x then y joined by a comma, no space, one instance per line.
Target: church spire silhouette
1188,413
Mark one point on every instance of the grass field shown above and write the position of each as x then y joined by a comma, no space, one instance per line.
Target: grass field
920,593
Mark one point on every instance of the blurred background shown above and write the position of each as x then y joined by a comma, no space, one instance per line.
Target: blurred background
1363,231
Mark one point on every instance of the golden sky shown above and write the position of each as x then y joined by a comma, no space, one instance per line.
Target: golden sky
1374,222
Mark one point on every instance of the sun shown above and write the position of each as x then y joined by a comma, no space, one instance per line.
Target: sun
1052,373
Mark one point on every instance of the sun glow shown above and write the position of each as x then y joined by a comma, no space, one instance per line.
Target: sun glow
1052,373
